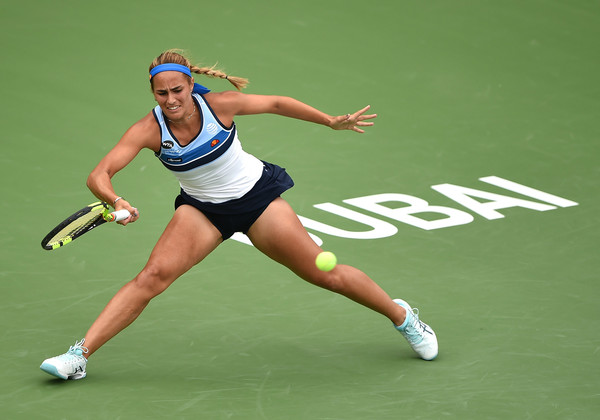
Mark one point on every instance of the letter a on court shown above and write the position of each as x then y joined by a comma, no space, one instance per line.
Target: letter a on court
463,196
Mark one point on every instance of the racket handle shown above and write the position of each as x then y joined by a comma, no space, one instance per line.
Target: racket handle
115,216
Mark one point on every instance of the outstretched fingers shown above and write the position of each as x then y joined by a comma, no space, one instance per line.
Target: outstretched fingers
354,121
360,112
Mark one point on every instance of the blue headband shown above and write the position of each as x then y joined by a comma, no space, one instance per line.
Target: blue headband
170,67
182,69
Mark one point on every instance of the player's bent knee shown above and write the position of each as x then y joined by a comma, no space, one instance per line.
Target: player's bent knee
332,280
152,281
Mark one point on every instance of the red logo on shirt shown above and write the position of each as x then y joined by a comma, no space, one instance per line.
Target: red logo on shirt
214,143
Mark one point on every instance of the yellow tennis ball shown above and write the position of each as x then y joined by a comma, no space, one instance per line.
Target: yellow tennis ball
326,261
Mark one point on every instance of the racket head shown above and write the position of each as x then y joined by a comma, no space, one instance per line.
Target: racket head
80,222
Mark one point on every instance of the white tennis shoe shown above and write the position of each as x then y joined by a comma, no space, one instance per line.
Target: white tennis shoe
419,335
70,365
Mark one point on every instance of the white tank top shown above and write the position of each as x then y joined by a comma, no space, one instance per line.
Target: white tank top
213,167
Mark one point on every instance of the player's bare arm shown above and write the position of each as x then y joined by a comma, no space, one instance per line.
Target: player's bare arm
230,103
142,134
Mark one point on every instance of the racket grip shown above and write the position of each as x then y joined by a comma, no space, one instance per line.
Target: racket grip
115,216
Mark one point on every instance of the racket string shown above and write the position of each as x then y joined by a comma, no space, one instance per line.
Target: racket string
77,226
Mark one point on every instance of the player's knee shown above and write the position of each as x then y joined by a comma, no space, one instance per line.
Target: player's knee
152,281
332,280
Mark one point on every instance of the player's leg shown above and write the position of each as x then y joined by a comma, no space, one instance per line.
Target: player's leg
279,234
187,239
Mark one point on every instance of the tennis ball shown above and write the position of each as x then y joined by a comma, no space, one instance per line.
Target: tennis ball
326,261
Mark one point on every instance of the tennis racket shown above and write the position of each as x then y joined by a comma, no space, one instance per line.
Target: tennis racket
81,222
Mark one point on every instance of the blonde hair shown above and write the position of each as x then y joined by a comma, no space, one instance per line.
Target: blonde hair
176,56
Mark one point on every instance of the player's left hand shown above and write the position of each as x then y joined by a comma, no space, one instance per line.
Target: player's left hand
353,121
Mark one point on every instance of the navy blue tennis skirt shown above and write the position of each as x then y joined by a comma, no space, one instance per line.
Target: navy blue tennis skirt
240,214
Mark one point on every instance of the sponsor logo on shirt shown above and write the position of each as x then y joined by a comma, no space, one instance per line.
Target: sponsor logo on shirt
212,128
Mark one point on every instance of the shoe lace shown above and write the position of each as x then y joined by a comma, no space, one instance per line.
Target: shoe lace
77,349
415,330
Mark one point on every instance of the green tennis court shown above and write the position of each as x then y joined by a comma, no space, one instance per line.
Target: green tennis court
464,90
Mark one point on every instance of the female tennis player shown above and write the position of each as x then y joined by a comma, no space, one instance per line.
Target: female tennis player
223,190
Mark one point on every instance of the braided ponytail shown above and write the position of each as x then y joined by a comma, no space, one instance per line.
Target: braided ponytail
176,56
238,82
